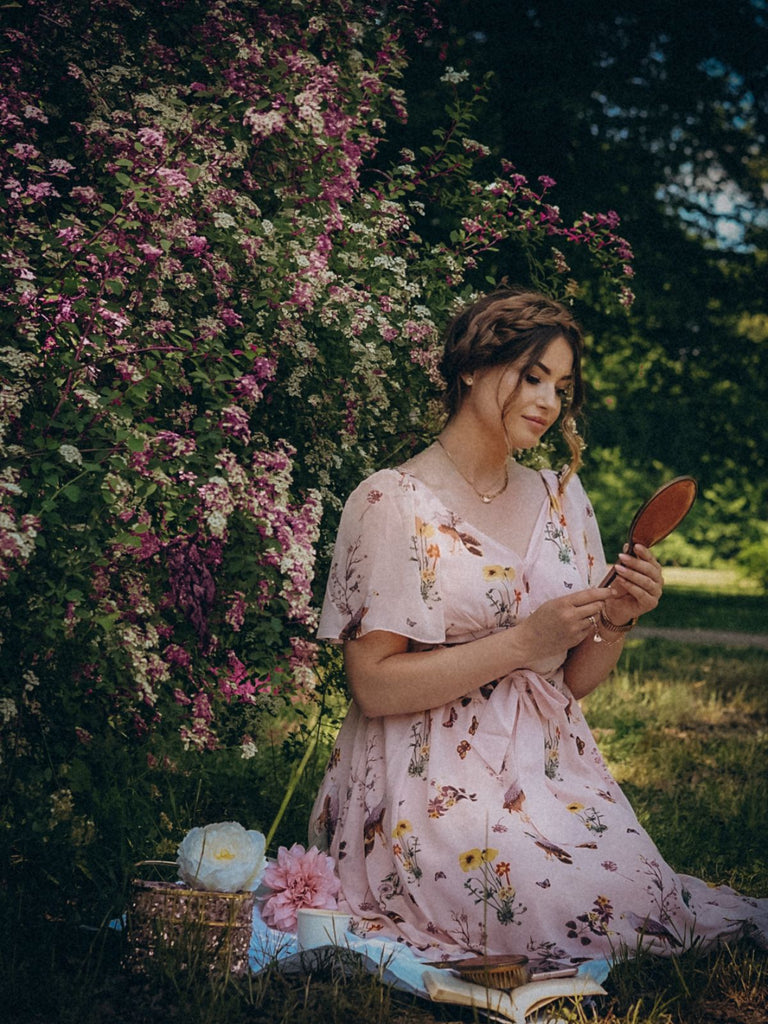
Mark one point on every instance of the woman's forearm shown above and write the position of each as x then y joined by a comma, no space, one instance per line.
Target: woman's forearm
386,678
590,663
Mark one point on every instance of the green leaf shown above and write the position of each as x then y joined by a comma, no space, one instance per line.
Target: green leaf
107,621
128,540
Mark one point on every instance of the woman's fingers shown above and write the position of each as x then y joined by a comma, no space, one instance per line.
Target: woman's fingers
641,575
592,598
582,611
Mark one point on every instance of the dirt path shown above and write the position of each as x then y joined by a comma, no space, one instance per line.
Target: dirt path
722,638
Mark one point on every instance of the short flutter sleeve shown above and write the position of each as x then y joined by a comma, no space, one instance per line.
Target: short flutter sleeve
584,533
385,570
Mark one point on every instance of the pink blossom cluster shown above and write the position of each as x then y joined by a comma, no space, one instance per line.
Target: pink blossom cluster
219,323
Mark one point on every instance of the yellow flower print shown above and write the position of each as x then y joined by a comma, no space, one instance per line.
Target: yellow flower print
424,529
499,572
493,572
426,553
489,855
505,604
403,826
575,807
471,859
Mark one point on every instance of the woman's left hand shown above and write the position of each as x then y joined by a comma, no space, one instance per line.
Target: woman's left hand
638,585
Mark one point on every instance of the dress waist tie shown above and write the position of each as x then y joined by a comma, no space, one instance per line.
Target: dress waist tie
519,735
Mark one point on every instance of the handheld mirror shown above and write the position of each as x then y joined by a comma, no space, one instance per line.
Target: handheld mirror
660,515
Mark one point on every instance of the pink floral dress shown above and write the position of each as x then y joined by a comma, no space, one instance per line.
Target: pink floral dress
490,824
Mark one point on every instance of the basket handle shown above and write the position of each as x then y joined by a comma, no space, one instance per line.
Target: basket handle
165,865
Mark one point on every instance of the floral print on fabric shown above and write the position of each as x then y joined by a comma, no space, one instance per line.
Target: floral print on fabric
491,824
426,553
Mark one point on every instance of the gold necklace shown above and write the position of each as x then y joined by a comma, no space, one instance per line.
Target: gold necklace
484,496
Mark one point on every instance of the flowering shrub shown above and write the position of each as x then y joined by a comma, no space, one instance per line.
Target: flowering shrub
220,309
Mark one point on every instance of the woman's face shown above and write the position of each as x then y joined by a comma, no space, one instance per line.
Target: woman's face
529,404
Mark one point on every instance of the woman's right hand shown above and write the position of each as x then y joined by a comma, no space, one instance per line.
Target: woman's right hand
562,623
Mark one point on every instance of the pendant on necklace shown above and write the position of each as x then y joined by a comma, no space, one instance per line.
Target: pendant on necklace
485,498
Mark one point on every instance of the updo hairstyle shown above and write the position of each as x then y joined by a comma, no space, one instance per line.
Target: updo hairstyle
508,325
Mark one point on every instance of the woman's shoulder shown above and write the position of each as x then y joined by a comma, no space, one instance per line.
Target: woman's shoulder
388,480
385,485
420,472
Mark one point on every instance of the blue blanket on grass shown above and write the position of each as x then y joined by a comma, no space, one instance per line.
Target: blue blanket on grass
393,963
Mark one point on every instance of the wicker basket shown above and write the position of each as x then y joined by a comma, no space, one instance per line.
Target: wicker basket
187,926
503,971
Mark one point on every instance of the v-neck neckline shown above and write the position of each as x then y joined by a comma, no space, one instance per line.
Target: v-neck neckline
536,533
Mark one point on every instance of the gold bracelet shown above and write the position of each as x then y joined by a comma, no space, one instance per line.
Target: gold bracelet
613,627
606,643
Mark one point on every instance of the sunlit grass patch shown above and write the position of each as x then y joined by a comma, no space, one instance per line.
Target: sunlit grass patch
685,732
721,581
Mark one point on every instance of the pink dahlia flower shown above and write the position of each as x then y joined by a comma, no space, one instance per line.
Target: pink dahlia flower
300,878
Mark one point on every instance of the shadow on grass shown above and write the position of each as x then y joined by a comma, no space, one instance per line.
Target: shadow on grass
76,979
68,976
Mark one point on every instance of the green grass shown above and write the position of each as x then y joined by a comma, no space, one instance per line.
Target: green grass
710,599
685,730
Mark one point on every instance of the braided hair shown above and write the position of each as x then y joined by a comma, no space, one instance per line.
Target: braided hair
509,325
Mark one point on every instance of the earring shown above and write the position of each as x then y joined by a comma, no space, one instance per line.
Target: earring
469,381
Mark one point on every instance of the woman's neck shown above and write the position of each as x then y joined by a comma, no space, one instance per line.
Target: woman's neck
481,460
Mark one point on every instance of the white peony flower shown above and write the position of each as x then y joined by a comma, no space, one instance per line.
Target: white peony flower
223,857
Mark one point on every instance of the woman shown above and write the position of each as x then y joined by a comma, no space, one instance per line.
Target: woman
465,802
